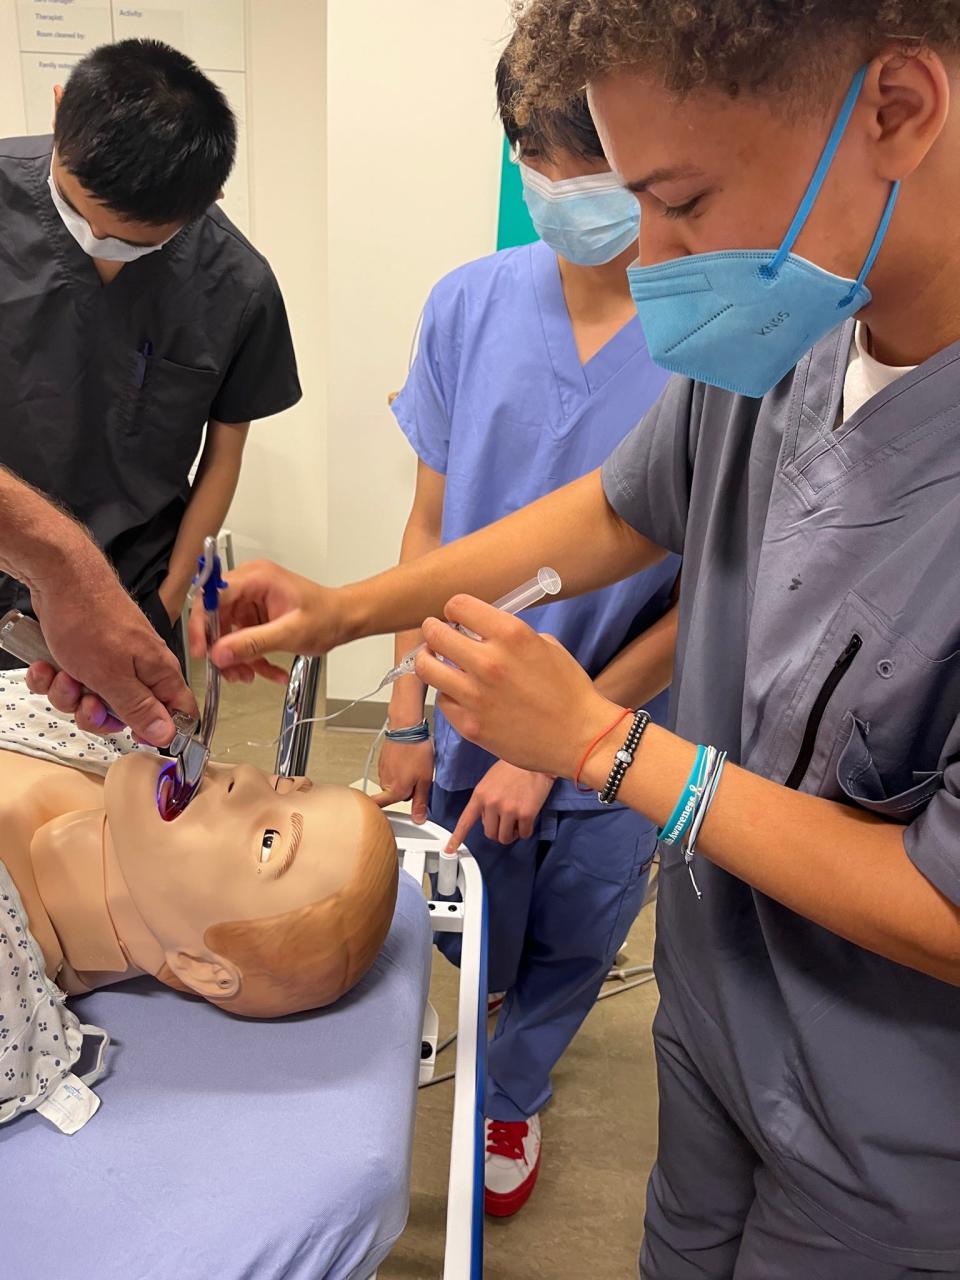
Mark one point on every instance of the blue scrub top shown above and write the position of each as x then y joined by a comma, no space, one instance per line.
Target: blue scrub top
499,403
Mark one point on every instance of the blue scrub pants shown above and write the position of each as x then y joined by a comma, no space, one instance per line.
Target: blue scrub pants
560,906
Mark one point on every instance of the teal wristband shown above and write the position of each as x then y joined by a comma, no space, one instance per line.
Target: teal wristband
414,734
679,822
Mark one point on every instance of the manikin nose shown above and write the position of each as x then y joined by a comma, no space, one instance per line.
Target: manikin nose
245,780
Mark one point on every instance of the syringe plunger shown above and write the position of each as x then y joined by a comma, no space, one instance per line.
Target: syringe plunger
546,583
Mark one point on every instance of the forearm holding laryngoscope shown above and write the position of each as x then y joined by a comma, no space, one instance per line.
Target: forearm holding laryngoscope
37,538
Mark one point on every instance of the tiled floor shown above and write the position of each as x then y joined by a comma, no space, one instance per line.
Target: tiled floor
584,1220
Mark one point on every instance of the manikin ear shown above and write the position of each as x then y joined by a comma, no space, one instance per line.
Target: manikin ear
207,974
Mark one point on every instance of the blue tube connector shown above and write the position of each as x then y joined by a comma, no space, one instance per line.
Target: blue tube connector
213,585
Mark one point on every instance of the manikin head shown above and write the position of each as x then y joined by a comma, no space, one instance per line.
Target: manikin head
715,115
266,896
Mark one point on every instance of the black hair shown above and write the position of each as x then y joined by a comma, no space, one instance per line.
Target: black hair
145,132
569,129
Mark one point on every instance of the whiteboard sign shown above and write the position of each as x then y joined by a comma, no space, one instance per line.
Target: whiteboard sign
55,34
41,73
63,26
208,31
168,25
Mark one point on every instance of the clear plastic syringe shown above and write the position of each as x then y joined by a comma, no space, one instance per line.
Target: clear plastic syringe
546,583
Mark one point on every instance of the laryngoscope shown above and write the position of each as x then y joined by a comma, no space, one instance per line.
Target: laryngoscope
190,749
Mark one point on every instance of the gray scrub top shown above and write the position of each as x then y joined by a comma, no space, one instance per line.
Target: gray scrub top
105,390
820,645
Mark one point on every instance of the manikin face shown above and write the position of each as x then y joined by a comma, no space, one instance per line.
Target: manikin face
247,846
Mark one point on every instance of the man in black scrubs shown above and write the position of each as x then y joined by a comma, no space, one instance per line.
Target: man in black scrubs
137,324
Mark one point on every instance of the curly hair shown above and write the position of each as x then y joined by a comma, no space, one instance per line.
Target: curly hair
545,133
788,47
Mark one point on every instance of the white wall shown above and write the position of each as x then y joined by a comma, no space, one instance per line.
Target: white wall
280,508
12,115
413,178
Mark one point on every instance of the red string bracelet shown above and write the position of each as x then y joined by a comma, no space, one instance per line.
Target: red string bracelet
595,743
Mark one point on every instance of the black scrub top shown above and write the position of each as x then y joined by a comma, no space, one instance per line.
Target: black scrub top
105,389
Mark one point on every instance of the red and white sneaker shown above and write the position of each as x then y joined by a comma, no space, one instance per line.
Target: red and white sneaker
513,1163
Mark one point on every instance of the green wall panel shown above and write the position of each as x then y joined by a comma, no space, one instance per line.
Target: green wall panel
514,226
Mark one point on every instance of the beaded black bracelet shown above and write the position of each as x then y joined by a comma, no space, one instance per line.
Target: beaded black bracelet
624,758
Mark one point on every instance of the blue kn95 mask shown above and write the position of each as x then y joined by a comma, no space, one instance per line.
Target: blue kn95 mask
589,221
742,319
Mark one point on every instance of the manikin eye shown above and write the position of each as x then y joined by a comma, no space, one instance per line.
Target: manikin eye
270,838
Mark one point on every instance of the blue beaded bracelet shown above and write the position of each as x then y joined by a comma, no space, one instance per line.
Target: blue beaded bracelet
677,825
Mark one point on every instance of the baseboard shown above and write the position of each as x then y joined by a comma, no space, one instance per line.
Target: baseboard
365,715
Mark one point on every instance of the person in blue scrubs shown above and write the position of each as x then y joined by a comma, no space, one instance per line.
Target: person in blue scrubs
532,367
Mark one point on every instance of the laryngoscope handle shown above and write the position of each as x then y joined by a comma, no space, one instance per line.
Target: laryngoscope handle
23,637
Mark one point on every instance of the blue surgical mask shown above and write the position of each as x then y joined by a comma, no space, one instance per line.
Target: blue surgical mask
589,221
742,319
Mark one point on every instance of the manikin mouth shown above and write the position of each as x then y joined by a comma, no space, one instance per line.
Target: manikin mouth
171,800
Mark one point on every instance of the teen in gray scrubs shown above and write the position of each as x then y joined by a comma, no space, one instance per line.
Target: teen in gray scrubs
808,1039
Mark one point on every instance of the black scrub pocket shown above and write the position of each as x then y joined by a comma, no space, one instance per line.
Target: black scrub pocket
172,407
860,781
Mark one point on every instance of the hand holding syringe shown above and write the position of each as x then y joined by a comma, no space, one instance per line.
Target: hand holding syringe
546,583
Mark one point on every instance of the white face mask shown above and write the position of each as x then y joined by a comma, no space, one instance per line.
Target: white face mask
109,248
